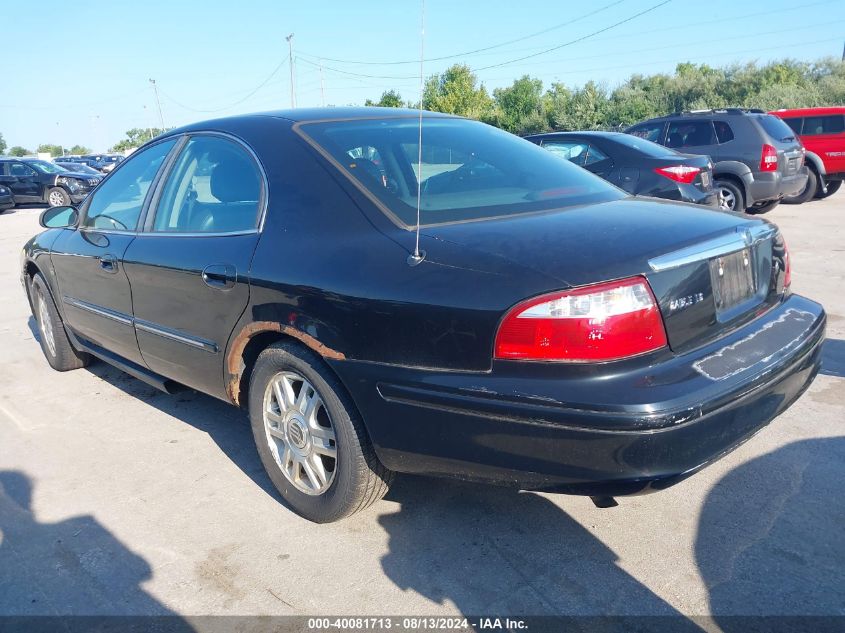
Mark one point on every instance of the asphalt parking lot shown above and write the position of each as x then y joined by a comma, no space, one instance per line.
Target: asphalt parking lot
118,499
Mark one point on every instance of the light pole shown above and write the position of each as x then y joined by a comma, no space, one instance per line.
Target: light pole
289,39
61,145
158,103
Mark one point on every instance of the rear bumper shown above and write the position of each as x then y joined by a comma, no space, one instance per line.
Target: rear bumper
766,186
620,428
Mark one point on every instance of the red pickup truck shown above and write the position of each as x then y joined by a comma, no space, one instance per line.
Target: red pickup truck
822,131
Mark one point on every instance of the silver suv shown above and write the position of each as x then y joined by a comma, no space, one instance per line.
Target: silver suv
757,159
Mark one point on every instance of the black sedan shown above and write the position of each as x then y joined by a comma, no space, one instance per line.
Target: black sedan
7,200
542,329
638,166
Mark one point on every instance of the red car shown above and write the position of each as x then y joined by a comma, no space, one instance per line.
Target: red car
822,131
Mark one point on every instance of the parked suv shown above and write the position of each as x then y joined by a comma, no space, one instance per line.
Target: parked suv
757,157
38,181
822,131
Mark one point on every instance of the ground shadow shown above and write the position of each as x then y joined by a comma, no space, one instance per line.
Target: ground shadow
833,358
74,567
495,551
771,538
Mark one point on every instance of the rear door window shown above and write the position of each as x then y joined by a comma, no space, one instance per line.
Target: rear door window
833,124
649,131
795,124
776,128
724,133
690,134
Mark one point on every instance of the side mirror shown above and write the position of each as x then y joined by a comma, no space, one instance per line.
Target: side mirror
58,217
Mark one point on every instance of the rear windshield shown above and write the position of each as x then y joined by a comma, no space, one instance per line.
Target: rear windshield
469,171
646,147
776,128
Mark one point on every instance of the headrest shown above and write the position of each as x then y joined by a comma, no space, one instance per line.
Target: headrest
235,179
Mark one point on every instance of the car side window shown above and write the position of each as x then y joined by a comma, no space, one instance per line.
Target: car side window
690,134
19,169
573,151
117,204
649,131
214,187
834,124
724,133
795,124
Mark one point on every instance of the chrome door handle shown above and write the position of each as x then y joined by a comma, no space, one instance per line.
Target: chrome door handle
219,276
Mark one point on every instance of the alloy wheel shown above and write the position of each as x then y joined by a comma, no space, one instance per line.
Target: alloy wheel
56,199
45,326
300,433
727,200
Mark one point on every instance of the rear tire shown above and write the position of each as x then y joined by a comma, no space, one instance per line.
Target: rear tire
832,188
731,196
57,348
314,446
764,207
807,193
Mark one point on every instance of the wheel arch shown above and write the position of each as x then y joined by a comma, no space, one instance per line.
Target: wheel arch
251,340
814,161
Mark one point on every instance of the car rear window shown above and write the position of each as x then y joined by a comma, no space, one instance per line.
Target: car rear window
470,171
642,145
776,128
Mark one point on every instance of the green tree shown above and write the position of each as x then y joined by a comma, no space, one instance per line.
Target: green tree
47,148
520,107
135,138
79,149
455,92
2,144
17,150
389,99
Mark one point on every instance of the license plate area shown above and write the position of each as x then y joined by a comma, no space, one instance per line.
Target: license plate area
733,280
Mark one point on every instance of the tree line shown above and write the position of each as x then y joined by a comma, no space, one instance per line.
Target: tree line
527,107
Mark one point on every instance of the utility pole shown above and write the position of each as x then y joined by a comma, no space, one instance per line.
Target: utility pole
843,52
322,86
289,39
146,118
158,102
61,144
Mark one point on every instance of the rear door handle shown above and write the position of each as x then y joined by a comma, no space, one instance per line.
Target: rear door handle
219,276
108,263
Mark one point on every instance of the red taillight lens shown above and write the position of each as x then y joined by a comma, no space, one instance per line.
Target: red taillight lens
769,158
606,321
679,173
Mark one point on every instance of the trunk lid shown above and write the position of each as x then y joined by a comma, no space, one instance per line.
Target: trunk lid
679,248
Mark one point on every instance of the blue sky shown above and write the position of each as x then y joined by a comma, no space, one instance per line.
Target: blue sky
213,55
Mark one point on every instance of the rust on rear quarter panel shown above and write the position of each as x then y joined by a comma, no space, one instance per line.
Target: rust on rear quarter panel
234,359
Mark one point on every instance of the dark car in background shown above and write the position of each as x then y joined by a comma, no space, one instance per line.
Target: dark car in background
638,166
39,181
822,131
7,200
103,162
475,307
78,167
757,158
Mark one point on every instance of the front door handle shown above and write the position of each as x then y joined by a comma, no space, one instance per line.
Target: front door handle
108,263
219,276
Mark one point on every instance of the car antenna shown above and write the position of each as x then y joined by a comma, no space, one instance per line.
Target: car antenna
417,256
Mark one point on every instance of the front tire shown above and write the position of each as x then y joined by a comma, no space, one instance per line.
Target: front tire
731,197
58,197
807,193
57,348
310,437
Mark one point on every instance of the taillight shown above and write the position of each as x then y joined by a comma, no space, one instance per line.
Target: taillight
679,173
769,158
606,321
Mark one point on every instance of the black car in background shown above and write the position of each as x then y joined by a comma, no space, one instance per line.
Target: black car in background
79,167
39,181
103,162
7,201
757,159
551,332
638,166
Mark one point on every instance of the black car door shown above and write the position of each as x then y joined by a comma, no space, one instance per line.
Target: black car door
23,180
189,268
94,288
